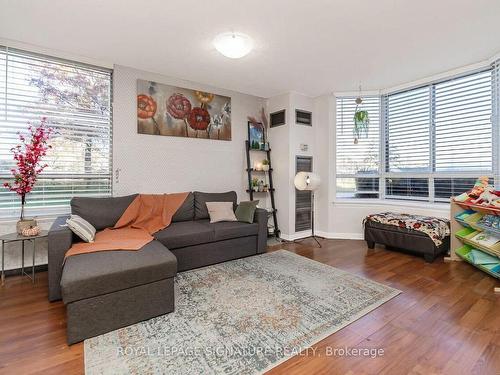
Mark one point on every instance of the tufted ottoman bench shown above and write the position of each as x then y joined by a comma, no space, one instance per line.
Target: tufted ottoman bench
423,235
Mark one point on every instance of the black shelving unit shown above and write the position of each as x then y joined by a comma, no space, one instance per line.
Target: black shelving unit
250,171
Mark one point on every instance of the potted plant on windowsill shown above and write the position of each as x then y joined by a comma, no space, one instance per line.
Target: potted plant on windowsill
28,155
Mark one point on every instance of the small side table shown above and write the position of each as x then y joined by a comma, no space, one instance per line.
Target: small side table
14,237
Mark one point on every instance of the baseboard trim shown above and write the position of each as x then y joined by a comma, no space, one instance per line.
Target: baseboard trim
327,235
341,236
296,236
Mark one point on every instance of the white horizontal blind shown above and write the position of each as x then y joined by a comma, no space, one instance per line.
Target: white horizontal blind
357,165
76,100
463,133
407,124
463,124
407,143
3,85
495,119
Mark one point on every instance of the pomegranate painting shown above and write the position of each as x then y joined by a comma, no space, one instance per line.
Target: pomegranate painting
181,112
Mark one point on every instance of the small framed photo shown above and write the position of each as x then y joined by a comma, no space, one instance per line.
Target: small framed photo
256,135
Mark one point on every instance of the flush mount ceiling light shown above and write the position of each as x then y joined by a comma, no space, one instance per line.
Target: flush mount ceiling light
233,45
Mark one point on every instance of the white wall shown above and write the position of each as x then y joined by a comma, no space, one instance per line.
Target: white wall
279,138
285,143
324,145
347,217
158,164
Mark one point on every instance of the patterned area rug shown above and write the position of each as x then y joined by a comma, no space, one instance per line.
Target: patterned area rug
240,317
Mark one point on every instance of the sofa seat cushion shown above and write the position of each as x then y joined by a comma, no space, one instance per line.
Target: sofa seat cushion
226,230
186,233
94,274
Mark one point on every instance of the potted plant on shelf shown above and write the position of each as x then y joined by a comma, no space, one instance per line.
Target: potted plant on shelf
28,155
265,165
255,184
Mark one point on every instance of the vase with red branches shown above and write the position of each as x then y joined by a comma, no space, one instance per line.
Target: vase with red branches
28,155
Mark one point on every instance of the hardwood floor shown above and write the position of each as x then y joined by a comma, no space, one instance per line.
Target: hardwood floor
446,321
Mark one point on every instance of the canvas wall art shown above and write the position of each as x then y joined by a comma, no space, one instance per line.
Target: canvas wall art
180,112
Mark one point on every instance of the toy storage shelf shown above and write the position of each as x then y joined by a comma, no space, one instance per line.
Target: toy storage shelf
464,252
465,227
478,208
472,222
465,235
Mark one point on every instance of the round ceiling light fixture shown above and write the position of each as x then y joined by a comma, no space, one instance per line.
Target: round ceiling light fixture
233,45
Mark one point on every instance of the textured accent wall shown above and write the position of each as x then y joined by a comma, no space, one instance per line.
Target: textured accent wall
157,164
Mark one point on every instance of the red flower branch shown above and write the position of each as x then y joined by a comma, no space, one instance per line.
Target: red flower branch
28,155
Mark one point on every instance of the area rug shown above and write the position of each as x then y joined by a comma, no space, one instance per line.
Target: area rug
240,317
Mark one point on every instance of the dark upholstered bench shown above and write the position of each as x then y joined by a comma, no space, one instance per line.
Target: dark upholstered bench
396,238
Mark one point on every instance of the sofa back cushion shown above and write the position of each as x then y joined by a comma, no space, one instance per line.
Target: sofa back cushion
201,199
186,211
101,212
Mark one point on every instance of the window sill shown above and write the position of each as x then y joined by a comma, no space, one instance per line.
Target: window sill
396,203
39,219
40,216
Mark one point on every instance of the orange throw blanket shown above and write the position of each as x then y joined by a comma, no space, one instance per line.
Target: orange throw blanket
147,214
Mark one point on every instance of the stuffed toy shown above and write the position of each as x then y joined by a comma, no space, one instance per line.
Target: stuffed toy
482,194
475,192
487,197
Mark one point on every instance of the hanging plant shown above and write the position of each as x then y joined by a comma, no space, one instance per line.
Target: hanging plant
361,122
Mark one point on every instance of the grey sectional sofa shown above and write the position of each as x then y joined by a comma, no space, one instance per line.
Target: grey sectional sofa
107,290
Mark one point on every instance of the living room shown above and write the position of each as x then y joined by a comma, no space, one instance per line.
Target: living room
250,187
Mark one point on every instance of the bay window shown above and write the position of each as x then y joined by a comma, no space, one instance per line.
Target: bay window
434,140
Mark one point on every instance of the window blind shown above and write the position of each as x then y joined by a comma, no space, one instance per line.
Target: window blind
495,119
357,164
76,100
436,140
407,124
462,116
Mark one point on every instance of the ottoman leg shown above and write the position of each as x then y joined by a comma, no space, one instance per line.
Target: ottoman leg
370,244
429,258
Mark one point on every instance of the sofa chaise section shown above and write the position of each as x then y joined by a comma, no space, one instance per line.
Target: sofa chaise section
107,290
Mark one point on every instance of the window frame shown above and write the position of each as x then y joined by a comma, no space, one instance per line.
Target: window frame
431,175
367,175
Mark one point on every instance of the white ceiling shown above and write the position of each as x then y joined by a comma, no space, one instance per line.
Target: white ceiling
308,46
